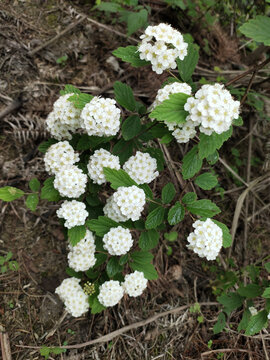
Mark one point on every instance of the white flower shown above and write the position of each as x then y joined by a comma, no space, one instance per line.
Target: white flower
110,293
206,240
118,241
100,159
141,168
70,181
74,212
184,132
101,117
135,284
161,45
126,203
253,310
81,257
59,155
71,293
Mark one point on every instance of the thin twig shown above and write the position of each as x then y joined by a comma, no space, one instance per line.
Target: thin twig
248,87
225,350
124,329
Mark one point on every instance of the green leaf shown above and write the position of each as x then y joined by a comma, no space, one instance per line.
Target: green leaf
187,66
45,351
73,273
13,265
267,266
244,321
9,193
9,255
44,146
96,306
70,89
266,293
142,262
189,198
172,236
257,323
34,184
32,201
176,214
124,96
250,291
87,142
208,144
100,259
131,127
213,158
131,55
48,191
168,193
76,234
109,6
230,301
113,267
204,207
118,178
191,163
158,155
172,109
147,190
123,259
102,225
123,149
206,181
257,29
155,218
220,324
136,20
80,100
227,237
148,239
238,122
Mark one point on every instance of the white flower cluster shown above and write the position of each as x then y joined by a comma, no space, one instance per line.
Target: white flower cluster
253,310
64,118
141,168
184,132
135,284
118,241
126,203
213,108
70,181
164,94
81,257
71,293
162,45
206,240
73,212
110,293
100,159
101,117
59,155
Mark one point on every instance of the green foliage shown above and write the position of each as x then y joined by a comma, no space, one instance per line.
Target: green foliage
131,127
142,262
46,351
131,55
69,89
80,100
257,29
124,96
34,184
9,193
172,236
168,193
206,181
187,66
155,218
192,163
172,110
208,144
118,178
48,192
87,142
102,225
32,201
148,239
44,146
257,323
250,291
204,207
76,233
7,264
113,267
230,301
220,324
158,155
189,198
227,238
176,214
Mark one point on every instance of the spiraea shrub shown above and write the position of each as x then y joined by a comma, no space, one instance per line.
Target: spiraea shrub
102,159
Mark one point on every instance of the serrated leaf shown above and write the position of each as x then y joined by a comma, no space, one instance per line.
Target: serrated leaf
87,142
109,6
123,149
131,127
73,273
257,29
168,193
48,191
142,262
230,301
191,163
244,321
267,266
118,178
100,259
189,198
80,100
34,184
172,236
187,66
113,267
131,55
9,256
208,144
44,146
147,191
9,193
148,240
102,225
213,158
176,214
124,96
256,323
158,155
70,89
250,291
155,218
123,259
95,305
136,20
206,181
32,201
76,233
204,207
220,324
172,109
238,122
227,237
266,293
